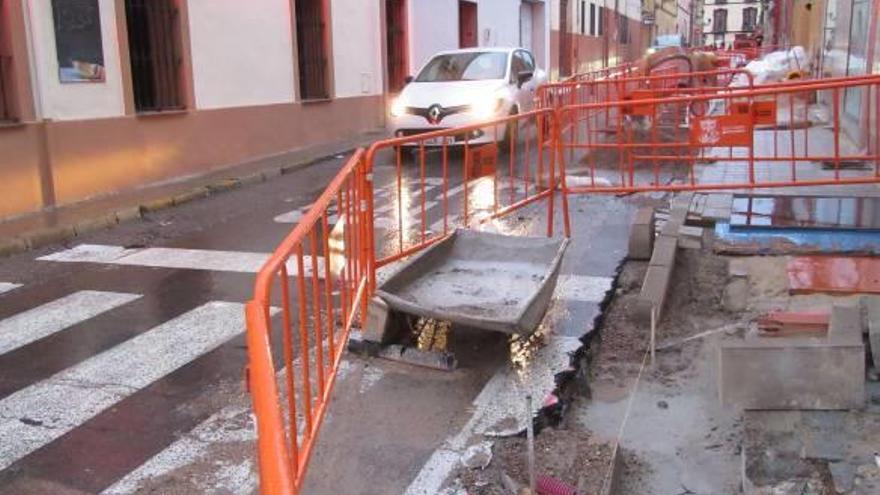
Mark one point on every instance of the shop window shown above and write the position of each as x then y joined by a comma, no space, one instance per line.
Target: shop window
154,48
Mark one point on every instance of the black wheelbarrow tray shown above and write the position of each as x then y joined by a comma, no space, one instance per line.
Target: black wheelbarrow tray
479,280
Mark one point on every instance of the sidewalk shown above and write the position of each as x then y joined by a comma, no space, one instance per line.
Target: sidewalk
57,224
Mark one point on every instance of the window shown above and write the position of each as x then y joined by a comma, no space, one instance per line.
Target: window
750,18
719,2
517,65
583,16
6,113
592,19
601,29
622,28
528,59
719,21
311,44
466,66
154,46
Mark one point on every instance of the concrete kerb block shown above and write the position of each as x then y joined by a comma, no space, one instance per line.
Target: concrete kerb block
653,293
871,305
797,372
157,204
227,184
127,214
51,235
12,245
690,237
664,251
251,179
93,224
641,236
792,373
197,193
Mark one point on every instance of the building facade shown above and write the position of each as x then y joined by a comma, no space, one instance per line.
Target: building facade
436,25
727,20
104,96
590,34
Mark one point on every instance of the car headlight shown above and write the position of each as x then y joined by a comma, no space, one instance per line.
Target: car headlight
486,108
398,107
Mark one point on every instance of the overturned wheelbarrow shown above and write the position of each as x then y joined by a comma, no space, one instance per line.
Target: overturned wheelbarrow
475,280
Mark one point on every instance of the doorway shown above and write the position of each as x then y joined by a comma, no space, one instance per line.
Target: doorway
526,21
395,39
467,24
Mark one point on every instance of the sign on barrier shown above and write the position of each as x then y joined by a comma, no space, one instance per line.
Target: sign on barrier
723,130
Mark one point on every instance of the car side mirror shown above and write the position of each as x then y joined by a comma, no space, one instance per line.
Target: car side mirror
408,79
523,76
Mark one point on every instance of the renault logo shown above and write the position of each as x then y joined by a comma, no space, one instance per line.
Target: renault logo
434,113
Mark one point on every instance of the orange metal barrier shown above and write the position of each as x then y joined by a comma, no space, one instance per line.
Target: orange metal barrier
508,164
726,133
296,336
328,263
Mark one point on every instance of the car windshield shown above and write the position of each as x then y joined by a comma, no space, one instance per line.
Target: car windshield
468,66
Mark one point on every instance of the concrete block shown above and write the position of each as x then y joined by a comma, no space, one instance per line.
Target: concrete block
224,185
664,251
653,293
157,204
792,373
93,224
690,237
188,196
736,295
251,179
379,324
641,235
127,214
12,245
845,325
50,235
871,305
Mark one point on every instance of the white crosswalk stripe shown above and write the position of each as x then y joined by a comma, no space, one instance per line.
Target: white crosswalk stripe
46,410
40,322
6,287
162,257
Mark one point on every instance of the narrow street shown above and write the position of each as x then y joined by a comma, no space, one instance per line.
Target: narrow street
129,378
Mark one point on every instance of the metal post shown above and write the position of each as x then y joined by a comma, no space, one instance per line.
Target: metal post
653,333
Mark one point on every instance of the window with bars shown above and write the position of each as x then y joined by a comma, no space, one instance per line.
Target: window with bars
154,48
583,16
6,113
622,29
592,19
311,46
750,18
719,21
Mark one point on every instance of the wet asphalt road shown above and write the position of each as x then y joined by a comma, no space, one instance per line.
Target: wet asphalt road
131,380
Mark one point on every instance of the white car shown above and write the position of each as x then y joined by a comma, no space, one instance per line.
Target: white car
465,87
